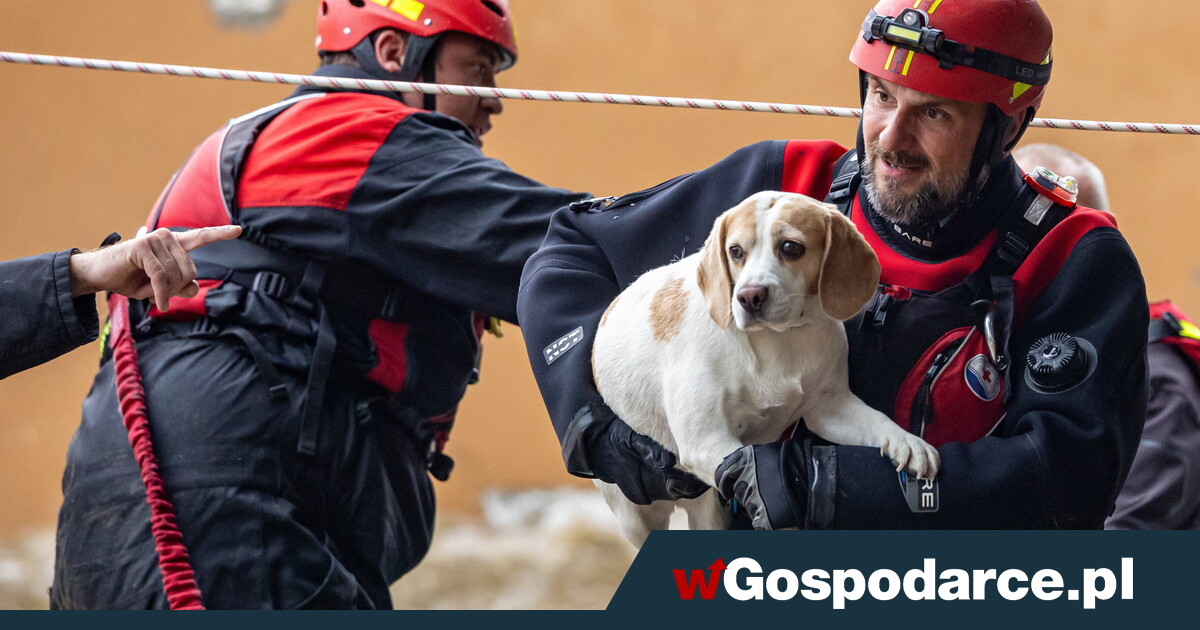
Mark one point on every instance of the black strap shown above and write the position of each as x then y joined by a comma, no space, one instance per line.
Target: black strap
279,274
846,180
1018,236
276,387
1161,328
322,360
294,281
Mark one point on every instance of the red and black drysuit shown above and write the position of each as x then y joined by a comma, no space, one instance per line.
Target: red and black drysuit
1013,455
298,403
40,318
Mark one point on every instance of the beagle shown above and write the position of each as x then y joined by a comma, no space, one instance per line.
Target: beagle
732,345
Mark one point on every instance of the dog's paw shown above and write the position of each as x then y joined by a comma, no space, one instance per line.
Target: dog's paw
911,453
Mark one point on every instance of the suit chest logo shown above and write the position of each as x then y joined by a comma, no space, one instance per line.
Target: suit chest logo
982,377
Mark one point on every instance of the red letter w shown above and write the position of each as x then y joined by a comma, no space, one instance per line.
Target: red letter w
689,586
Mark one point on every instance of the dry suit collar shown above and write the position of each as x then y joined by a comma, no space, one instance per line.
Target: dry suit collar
346,71
977,214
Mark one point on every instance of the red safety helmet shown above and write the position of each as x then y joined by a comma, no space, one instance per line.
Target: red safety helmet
341,24
984,51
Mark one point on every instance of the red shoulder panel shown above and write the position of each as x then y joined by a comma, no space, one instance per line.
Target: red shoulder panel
1048,257
194,198
315,153
808,166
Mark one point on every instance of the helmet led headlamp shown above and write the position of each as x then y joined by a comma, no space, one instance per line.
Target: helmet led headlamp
910,30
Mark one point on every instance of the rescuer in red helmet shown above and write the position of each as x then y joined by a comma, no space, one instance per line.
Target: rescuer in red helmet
300,402
459,42
1006,328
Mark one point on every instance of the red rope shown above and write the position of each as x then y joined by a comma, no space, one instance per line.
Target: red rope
179,580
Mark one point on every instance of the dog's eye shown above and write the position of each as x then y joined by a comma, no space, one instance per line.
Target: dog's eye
735,252
791,249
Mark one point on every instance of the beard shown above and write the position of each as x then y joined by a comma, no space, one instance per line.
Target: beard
933,201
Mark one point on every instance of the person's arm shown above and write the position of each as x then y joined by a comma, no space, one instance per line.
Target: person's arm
1055,460
47,306
1163,487
39,317
448,221
590,255
566,288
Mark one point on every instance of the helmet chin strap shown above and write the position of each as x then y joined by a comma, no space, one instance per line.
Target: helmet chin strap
991,148
419,57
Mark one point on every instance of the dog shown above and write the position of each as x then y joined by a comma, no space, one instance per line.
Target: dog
734,344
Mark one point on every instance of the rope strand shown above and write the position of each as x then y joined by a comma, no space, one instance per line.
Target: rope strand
540,95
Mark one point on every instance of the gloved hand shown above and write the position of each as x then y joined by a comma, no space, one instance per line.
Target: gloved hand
753,476
771,485
638,465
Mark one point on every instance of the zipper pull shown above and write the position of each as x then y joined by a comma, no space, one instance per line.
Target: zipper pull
881,310
886,297
869,311
921,404
933,370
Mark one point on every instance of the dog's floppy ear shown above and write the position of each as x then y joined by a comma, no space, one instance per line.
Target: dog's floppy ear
716,283
850,269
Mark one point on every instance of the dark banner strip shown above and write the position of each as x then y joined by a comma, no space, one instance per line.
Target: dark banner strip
1108,579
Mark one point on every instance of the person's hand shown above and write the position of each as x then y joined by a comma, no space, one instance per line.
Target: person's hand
754,477
152,265
639,466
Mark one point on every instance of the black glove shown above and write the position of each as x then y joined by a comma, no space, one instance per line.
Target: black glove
639,466
772,483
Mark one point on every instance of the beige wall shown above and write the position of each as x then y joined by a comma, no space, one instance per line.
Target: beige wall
85,152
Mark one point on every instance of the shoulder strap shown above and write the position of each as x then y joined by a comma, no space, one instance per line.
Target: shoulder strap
1161,329
846,179
1018,236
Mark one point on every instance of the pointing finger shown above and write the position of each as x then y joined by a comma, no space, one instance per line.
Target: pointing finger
204,236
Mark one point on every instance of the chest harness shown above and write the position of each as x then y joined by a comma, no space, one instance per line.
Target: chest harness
259,282
909,339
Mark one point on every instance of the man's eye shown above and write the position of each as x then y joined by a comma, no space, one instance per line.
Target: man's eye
933,114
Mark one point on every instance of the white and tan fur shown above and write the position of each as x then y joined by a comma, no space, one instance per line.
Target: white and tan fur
681,359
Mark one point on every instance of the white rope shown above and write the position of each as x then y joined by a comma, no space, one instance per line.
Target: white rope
535,95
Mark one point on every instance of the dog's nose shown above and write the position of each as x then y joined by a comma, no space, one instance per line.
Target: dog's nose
752,298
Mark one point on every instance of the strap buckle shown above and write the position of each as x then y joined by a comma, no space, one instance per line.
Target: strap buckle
393,304
270,283
1012,250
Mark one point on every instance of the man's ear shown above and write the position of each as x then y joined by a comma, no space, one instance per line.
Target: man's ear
390,46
